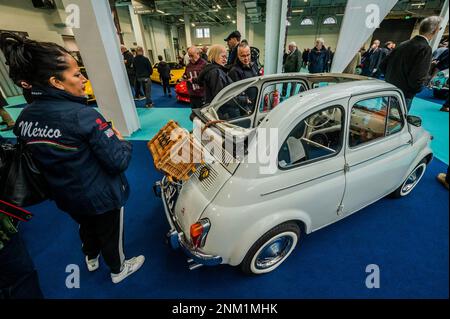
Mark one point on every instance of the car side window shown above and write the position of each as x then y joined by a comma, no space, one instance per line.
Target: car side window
276,93
317,137
242,105
373,119
395,121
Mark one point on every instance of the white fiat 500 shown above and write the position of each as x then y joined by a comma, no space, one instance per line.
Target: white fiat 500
351,141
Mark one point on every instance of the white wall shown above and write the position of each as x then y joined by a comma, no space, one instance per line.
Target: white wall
20,15
126,27
157,36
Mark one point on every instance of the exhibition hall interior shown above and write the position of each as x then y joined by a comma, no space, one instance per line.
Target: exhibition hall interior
224,149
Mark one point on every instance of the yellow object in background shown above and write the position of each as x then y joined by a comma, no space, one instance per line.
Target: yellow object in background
176,72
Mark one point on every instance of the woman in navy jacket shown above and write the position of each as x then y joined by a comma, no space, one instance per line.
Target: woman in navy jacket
81,155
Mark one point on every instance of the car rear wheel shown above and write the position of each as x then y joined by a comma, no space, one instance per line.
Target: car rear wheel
411,181
272,249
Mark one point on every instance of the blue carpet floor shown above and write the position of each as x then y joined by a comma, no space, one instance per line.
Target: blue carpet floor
408,239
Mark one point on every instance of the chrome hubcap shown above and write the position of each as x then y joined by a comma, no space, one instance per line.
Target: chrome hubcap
413,179
273,252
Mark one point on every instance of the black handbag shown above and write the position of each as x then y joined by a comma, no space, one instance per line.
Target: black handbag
21,182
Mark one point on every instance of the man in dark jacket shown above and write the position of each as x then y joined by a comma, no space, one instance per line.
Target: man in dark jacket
318,58
193,70
128,59
245,69
305,57
293,61
378,57
292,64
143,72
408,65
164,75
367,59
233,41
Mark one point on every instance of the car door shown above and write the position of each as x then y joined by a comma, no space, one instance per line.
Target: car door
311,177
247,102
378,148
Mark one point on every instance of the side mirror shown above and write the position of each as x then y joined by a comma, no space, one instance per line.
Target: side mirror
414,120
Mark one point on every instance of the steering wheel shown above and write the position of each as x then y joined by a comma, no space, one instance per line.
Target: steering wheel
320,119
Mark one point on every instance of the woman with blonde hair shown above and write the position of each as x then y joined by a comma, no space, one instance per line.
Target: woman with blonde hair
214,76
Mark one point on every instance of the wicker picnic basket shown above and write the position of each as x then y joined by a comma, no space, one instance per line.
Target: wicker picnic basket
168,149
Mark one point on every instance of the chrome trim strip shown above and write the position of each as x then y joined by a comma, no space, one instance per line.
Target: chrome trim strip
310,180
372,158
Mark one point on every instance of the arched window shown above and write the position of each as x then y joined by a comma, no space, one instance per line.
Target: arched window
307,21
330,20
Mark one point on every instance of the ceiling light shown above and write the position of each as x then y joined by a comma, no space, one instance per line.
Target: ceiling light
181,20
160,11
418,4
297,11
193,24
234,22
219,7
228,17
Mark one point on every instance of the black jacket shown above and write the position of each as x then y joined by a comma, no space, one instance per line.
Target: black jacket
164,70
293,62
408,65
232,57
240,72
77,151
376,59
213,78
143,67
129,63
317,60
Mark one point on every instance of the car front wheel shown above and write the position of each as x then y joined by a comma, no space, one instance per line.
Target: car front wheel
272,249
411,181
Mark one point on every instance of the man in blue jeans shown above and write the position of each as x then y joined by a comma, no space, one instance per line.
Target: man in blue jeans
143,72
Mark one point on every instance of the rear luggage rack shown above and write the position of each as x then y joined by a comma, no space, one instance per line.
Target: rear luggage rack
171,141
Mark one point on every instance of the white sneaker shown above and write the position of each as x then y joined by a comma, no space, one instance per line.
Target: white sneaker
92,264
129,266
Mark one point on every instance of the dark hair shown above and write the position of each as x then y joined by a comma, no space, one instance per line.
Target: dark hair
32,61
160,58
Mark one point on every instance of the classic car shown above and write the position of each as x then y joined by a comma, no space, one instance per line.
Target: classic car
182,92
439,84
253,200
88,86
176,73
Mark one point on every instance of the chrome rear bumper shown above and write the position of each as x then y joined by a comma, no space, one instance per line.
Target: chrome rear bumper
176,236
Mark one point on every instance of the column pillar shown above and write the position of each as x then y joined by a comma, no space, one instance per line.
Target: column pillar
444,15
138,29
240,18
276,18
100,49
187,30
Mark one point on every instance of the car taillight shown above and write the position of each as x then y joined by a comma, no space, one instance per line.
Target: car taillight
199,231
